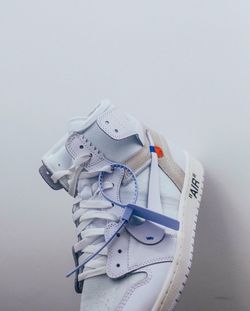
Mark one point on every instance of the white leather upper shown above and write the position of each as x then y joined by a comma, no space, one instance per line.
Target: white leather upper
126,254
119,125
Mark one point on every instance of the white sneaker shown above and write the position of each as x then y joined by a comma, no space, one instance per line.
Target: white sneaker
136,200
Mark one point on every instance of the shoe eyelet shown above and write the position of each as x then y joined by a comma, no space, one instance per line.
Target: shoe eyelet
107,122
118,235
119,251
81,146
149,238
116,130
118,265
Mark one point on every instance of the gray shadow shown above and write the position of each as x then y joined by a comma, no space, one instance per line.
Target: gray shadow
212,284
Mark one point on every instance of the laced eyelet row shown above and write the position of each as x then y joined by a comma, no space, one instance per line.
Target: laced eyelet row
90,145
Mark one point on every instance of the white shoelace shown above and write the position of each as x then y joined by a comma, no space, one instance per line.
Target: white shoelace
90,214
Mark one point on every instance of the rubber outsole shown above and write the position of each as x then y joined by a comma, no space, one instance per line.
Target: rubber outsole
188,214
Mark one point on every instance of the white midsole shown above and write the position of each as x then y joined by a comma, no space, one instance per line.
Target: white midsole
188,212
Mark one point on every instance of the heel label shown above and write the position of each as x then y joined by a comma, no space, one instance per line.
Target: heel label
194,189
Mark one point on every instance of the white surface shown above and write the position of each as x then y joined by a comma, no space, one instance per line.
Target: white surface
183,68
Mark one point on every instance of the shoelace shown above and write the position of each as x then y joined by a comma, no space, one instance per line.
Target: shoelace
89,244
85,211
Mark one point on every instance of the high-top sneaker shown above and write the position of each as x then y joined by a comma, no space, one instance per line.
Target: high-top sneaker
135,204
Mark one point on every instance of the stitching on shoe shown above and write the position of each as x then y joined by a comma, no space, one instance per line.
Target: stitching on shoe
132,289
71,149
140,265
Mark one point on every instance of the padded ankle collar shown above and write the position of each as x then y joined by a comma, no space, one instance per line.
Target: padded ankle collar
119,125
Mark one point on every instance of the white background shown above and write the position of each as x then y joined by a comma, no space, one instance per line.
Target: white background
183,68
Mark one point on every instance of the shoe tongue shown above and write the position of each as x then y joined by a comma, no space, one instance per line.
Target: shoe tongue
105,131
